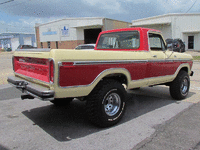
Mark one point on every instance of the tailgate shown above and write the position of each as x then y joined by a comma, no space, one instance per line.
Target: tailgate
33,63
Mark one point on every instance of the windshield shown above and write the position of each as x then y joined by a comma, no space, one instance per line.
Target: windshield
119,40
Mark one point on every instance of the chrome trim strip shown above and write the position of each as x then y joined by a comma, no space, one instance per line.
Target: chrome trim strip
113,62
58,82
13,63
169,60
51,59
108,62
123,61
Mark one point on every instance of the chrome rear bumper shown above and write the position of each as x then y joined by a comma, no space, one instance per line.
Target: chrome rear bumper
30,89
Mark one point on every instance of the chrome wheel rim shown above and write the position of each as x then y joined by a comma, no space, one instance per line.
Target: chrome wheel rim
184,86
112,103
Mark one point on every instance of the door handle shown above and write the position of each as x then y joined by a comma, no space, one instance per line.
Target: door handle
154,56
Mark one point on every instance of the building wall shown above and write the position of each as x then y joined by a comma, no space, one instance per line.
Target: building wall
45,45
69,44
80,33
197,43
53,31
74,27
152,20
175,26
165,29
53,45
63,44
13,40
110,24
15,43
37,37
187,25
196,40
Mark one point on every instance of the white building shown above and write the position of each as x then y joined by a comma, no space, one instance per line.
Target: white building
13,40
183,26
69,32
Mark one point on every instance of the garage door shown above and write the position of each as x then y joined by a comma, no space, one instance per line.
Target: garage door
14,43
27,41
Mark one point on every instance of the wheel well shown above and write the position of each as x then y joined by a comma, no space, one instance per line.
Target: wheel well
118,77
184,69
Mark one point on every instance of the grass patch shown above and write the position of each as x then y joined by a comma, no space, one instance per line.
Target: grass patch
196,57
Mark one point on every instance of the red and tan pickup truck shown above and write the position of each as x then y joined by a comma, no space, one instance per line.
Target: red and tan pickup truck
123,59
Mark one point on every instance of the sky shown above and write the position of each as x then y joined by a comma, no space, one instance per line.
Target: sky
21,15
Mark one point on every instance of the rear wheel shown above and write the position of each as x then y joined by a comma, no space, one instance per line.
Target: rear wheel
179,88
62,101
106,103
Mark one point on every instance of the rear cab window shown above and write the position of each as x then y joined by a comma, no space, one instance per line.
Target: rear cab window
119,40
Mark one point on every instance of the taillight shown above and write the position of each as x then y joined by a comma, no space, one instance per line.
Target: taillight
51,71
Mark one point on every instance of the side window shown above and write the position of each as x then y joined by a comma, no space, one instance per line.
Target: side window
56,44
156,42
49,44
119,40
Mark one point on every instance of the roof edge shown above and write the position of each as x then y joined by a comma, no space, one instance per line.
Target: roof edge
166,15
80,18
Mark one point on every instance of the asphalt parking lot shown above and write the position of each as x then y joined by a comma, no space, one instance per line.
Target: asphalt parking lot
152,121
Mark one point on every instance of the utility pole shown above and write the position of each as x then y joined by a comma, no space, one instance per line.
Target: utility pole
6,2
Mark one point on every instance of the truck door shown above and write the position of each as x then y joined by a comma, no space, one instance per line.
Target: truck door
156,65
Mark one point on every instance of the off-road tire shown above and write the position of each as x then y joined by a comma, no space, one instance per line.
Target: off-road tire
61,101
106,103
179,88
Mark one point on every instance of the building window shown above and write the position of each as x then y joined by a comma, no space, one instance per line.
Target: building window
49,44
56,44
190,42
41,44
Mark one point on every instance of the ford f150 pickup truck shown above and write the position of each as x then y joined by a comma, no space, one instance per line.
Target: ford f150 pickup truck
123,59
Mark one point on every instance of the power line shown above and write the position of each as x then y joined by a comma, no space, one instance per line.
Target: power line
15,4
6,2
191,6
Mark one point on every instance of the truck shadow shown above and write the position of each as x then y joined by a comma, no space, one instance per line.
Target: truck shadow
70,122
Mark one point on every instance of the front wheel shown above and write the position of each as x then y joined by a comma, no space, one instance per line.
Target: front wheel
179,88
106,103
